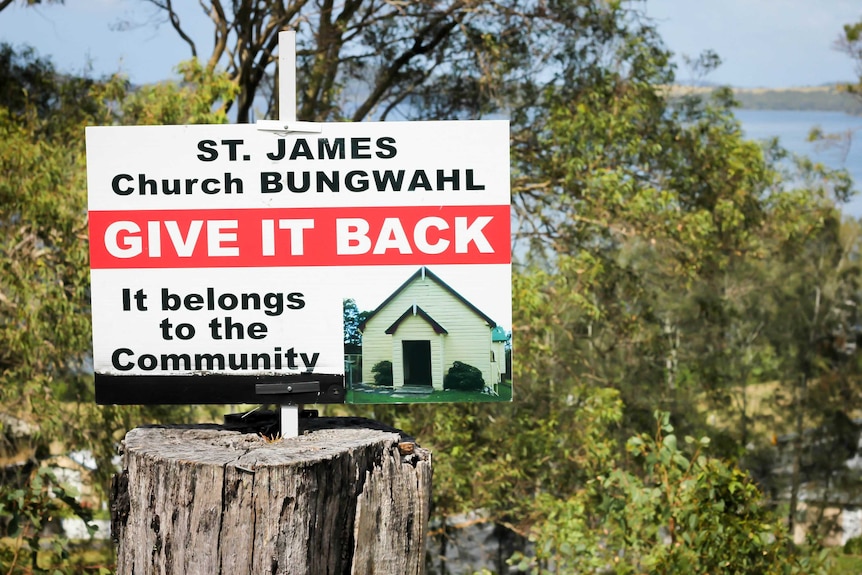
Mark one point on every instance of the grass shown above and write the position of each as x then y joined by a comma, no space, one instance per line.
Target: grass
385,396
843,564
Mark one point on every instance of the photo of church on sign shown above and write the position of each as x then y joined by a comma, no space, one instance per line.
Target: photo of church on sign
426,342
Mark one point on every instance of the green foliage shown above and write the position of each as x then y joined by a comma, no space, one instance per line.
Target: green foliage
680,512
43,250
200,97
352,320
25,511
650,235
463,377
382,371
44,282
853,546
850,42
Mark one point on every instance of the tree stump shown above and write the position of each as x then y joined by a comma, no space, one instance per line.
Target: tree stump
346,496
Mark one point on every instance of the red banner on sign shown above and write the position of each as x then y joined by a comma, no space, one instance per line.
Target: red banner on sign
280,237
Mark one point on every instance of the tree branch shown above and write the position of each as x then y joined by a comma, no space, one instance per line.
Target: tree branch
387,77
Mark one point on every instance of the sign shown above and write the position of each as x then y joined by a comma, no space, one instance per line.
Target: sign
224,257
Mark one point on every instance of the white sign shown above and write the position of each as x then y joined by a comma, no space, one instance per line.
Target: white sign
224,249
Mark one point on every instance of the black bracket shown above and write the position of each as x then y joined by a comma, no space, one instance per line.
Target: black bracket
287,388
273,389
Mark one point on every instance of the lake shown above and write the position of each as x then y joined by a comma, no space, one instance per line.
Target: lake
792,129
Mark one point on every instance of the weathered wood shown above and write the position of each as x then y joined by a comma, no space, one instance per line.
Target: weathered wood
347,496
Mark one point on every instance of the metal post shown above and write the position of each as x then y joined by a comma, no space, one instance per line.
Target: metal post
287,112
287,76
289,420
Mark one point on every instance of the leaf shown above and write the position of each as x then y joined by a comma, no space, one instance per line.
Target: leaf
670,442
13,528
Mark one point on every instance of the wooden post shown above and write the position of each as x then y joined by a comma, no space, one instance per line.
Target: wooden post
347,496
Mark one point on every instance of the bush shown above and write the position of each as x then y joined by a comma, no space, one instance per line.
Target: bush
675,510
463,377
382,373
853,546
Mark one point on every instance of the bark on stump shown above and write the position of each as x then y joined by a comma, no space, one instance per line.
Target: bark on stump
346,496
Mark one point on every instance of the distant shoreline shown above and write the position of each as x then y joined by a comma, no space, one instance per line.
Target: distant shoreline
812,98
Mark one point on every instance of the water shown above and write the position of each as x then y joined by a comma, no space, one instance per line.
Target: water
792,129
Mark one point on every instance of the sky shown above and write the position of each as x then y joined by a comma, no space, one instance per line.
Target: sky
763,43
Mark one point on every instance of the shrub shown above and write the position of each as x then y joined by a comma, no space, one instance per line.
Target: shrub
676,510
853,546
463,377
382,371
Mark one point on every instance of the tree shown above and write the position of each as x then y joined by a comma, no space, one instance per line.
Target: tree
850,42
44,304
352,320
817,298
376,60
44,282
378,50
6,3
45,373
